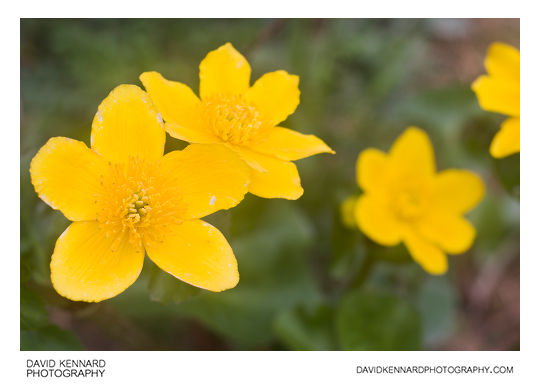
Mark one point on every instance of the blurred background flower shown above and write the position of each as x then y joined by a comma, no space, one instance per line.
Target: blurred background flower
498,91
303,272
407,200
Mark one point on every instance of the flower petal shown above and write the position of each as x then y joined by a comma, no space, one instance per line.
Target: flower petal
286,144
430,257
502,61
180,108
210,176
276,96
497,94
413,152
506,141
224,70
453,233
270,177
66,175
377,221
127,124
198,254
196,136
88,265
371,169
347,211
457,190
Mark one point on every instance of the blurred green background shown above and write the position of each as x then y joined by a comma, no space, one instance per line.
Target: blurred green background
362,82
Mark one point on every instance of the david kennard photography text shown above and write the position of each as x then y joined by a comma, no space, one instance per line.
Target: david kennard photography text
65,368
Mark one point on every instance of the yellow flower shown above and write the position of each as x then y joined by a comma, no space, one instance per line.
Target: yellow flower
125,197
499,92
406,200
243,118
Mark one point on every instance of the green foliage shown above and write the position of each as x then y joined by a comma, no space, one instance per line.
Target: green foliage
437,303
33,312
49,338
165,288
307,329
377,321
495,219
446,108
37,334
507,170
348,249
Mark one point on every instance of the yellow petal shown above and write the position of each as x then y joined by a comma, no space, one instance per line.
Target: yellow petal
89,266
179,106
128,124
347,210
377,221
210,176
412,151
371,169
506,141
429,256
286,144
197,253
270,177
276,96
457,190
451,232
190,135
497,94
502,61
224,70
66,175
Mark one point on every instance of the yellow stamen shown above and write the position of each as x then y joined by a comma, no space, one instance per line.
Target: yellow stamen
130,201
232,118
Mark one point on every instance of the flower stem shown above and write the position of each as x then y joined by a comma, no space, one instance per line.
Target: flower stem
363,273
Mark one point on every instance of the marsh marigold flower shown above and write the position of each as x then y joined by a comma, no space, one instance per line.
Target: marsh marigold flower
124,197
245,119
405,200
498,91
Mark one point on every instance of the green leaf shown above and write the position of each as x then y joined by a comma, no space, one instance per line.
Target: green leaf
37,334
496,219
507,170
437,305
445,108
166,288
33,312
377,321
396,254
310,329
348,249
49,338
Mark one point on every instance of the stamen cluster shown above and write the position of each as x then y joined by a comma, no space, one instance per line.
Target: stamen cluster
232,118
137,206
138,200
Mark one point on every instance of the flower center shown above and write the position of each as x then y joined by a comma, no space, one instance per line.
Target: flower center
232,118
137,206
408,205
140,200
